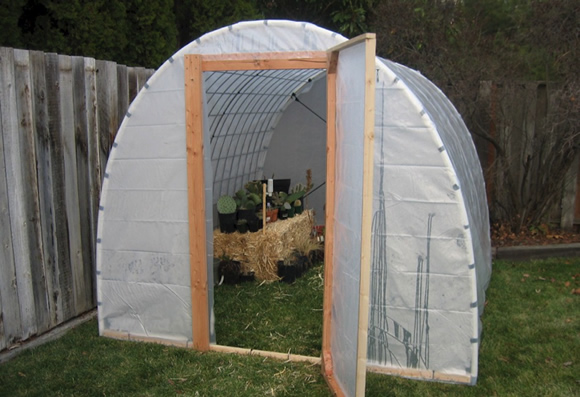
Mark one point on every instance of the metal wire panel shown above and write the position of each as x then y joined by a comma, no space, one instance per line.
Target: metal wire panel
243,108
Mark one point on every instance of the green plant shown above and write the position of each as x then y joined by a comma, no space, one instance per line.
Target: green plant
295,196
254,189
298,188
278,199
281,198
243,201
242,225
226,205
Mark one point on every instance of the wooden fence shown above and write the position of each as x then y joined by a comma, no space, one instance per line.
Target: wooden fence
527,162
58,118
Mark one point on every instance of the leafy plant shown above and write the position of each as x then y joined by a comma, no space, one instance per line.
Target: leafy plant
278,199
243,201
254,189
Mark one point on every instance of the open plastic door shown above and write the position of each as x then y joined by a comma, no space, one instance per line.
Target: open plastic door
350,113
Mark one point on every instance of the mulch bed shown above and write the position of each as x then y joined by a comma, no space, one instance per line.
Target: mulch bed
501,236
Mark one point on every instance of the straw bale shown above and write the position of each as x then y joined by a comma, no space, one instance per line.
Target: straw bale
260,251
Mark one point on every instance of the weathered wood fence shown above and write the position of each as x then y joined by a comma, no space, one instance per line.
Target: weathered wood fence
531,152
58,118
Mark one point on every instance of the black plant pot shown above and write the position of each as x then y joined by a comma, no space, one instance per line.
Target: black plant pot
248,215
301,265
287,273
242,227
298,209
299,269
230,271
247,277
254,225
227,222
282,214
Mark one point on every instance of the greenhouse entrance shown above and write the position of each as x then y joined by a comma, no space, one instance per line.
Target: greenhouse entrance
350,121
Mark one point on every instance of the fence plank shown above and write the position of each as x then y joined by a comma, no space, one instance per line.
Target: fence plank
142,77
23,193
123,93
67,120
94,168
107,109
45,274
133,83
10,306
59,216
82,163
6,254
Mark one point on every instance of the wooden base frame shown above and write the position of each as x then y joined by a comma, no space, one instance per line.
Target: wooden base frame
262,353
420,374
149,339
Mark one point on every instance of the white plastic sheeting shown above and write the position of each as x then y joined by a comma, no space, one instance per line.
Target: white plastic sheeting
430,237
350,113
431,248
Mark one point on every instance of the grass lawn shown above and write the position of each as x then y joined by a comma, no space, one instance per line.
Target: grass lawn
530,347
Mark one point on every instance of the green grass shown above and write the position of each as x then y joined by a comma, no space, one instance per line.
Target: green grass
530,347
275,316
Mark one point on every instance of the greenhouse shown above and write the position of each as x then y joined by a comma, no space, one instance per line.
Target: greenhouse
400,192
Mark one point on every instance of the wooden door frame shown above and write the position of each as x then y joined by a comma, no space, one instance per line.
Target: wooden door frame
195,65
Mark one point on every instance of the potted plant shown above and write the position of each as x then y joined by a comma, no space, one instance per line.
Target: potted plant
254,189
248,277
298,207
229,270
271,213
288,210
246,206
226,207
286,272
279,199
254,227
286,202
242,225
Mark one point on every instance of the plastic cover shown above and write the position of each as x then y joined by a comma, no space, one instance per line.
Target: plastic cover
350,108
431,252
430,242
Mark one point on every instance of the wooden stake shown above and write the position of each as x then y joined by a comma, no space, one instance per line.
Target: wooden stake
264,208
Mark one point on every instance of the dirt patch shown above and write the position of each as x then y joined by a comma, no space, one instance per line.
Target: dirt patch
501,236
